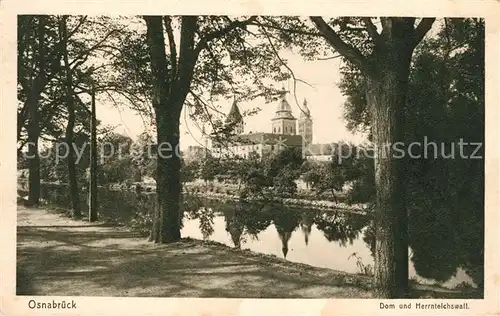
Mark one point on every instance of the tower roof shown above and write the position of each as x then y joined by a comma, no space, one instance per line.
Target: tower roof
305,112
283,110
234,115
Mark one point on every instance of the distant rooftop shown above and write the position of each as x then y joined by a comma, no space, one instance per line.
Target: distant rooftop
234,114
266,138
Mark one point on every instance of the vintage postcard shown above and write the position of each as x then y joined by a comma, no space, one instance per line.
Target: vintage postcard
251,157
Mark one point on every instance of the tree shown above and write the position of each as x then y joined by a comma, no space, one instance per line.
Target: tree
34,42
354,166
252,175
284,184
210,167
283,169
73,182
55,59
309,173
119,165
143,156
198,60
445,104
189,170
332,180
386,69
449,69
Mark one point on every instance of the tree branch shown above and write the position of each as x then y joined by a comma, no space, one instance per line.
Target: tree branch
187,57
189,53
372,29
80,23
423,27
289,70
207,113
219,33
349,52
171,44
159,70
83,56
224,70
328,58
286,30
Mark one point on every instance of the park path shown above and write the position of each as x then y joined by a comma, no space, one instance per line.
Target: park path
57,255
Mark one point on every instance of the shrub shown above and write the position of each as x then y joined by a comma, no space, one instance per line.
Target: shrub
142,222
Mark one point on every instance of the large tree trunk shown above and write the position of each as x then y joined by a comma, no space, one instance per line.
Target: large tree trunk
34,123
387,71
33,156
72,173
93,205
168,191
167,104
386,96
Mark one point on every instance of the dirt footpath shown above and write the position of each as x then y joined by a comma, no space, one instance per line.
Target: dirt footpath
60,256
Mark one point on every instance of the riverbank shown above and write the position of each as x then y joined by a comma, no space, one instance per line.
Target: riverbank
61,256
226,193
289,202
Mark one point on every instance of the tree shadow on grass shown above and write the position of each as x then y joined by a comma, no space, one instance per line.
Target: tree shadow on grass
120,264
102,261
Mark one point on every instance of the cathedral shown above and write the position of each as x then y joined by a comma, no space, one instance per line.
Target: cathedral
286,132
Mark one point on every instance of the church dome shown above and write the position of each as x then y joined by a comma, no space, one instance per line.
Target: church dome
284,106
283,110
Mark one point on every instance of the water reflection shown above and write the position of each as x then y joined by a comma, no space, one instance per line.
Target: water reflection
319,238
285,221
306,225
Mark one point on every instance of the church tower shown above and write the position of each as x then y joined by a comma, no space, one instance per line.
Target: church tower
283,122
205,138
234,117
305,124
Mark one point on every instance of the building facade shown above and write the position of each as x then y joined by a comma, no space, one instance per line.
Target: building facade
286,132
305,124
283,134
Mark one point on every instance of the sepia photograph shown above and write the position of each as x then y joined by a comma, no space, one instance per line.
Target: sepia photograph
250,157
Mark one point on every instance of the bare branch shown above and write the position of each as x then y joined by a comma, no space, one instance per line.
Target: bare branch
190,133
189,53
288,68
349,52
205,108
217,62
80,59
328,58
199,99
80,23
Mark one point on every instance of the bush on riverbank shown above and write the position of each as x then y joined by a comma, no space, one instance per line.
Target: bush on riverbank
229,191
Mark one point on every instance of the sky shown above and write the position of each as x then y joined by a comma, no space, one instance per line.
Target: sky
323,96
324,99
